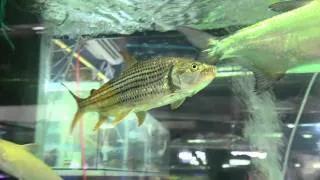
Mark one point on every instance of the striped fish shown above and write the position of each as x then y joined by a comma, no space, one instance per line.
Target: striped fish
143,86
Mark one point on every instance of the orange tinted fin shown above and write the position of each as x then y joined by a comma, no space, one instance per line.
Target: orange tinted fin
76,119
141,117
120,118
102,119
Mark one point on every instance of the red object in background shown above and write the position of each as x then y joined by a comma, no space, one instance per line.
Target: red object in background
83,147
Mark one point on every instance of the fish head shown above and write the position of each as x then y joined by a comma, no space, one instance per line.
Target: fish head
192,75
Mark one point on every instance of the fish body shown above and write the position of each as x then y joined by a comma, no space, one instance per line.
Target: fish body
18,161
146,85
271,47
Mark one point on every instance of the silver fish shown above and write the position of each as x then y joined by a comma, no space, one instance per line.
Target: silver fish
268,48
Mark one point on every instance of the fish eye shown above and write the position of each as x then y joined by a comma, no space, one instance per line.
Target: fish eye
194,66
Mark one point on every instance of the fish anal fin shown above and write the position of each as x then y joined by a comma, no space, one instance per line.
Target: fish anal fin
102,119
76,119
32,147
196,37
120,118
141,117
177,104
285,6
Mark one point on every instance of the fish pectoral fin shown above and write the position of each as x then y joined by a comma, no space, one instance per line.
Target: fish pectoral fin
196,37
141,117
177,104
102,119
120,118
285,6
30,147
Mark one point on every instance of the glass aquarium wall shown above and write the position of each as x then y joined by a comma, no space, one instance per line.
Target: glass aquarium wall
239,83
122,148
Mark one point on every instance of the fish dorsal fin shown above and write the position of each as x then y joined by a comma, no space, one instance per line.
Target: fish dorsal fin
285,6
196,37
129,60
92,91
32,147
177,104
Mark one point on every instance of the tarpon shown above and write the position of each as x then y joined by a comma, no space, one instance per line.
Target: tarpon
268,48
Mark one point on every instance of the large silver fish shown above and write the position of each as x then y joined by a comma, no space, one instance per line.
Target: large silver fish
270,47
18,161
146,85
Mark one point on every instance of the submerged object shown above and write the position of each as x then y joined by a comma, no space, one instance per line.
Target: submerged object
18,161
145,85
268,48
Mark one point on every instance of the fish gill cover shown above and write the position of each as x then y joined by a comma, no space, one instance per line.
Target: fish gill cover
92,17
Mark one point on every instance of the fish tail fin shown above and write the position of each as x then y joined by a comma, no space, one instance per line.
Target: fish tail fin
201,40
79,112
77,117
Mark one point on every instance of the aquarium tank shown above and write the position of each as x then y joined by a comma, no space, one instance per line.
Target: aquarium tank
166,89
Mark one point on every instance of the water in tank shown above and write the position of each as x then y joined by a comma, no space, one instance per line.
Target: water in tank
170,89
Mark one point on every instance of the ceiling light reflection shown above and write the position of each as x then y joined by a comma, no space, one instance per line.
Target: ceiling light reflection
253,154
